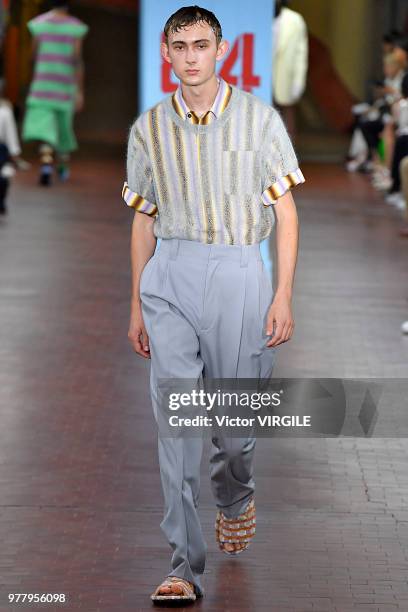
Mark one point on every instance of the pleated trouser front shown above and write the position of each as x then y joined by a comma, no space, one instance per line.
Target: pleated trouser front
204,308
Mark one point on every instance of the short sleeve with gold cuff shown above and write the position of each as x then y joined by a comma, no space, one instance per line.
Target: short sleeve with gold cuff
280,170
138,190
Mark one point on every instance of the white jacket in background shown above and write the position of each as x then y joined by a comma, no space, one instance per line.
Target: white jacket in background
290,57
8,129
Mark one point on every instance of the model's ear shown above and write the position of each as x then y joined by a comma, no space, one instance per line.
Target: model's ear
223,48
164,50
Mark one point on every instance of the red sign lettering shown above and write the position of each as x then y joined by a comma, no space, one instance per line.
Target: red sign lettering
242,49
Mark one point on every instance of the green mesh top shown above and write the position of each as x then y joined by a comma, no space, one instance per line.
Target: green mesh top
54,83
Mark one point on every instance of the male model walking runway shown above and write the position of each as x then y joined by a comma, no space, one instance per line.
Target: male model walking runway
56,90
208,167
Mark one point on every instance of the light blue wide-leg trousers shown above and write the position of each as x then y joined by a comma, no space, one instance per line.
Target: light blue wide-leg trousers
204,307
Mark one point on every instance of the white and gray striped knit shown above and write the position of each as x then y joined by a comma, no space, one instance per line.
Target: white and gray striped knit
211,183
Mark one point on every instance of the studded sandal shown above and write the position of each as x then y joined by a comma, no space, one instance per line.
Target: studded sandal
186,591
239,530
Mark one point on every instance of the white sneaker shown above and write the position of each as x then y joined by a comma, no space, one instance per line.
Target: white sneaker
400,204
353,165
379,172
359,109
8,171
404,327
22,164
383,185
396,199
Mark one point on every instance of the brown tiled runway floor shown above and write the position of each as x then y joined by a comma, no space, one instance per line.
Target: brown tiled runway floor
80,495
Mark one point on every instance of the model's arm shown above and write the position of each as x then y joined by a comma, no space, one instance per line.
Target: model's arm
280,320
143,244
79,75
33,56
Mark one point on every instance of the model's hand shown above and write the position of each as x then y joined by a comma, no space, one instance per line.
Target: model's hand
79,101
137,333
279,321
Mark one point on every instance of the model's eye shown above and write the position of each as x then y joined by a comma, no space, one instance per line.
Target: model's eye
178,48
202,46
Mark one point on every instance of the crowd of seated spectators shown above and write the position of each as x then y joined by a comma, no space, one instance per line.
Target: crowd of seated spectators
379,145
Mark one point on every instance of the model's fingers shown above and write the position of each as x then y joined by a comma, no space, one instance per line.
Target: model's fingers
136,340
286,331
277,336
141,346
145,341
291,329
137,345
270,324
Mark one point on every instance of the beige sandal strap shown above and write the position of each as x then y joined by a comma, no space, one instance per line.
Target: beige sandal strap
237,530
238,526
238,534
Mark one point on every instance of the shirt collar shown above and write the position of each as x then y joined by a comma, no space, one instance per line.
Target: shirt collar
219,105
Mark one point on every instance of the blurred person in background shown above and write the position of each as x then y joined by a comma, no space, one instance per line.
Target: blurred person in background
9,148
382,179
403,169
404,230
371,120
400,50
400,127
290,61
388,41
56,90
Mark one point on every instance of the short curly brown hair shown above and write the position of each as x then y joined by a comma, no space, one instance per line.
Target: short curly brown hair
190,15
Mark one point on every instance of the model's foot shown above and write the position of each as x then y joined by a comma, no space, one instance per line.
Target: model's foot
233,547
174,588
47,165
8,171
234,535
228,547
45,178
63,172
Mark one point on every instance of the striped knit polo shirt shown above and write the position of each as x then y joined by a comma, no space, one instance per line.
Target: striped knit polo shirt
54,83
212,179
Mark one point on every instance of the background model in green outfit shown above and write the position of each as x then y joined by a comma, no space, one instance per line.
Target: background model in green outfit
56,90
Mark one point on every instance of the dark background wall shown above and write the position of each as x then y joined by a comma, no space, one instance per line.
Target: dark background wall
110,53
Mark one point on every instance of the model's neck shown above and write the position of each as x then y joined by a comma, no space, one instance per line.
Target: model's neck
200,98
60,12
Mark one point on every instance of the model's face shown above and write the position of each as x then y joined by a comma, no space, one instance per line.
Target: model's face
391,69
401,56
193,53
